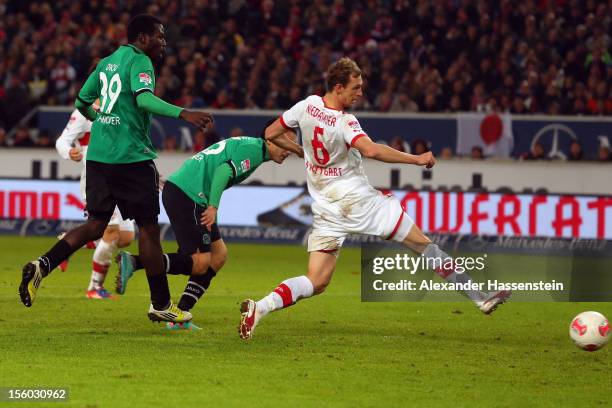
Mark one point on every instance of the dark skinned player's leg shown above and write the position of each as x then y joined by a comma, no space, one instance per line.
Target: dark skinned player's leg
33,272
149,246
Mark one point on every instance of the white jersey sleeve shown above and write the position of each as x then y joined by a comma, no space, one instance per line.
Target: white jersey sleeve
351,129
75,129
290,119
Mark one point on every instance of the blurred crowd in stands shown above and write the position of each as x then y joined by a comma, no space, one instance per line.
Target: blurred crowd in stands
526,57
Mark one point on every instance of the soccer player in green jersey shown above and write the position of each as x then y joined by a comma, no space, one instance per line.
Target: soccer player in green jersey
191,198
120,169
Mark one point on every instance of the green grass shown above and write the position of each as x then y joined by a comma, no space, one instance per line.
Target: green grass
331,350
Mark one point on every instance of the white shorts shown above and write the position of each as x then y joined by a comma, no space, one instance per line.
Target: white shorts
124,225
378,215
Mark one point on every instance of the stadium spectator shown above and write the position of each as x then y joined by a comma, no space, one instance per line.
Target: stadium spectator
603,154
446,153
44,140
575,152
477,153
236,131
536,153
170,144
199,141
544,57
17,101
2,137
22,137
398,144
204,139
62,78
600,102
418,146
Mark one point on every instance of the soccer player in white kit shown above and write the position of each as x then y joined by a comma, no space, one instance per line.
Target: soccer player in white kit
344,201
72,145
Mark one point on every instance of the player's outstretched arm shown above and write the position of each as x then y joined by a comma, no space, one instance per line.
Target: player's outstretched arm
275,133
219,183
387,154
151,103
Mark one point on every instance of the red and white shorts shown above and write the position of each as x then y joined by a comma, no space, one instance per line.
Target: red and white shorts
379,215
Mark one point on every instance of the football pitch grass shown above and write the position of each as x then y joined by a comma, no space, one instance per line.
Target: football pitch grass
331,350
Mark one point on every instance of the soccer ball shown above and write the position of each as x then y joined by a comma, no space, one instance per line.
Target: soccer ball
590,330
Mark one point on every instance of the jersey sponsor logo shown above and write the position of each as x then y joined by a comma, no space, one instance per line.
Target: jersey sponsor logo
245,165
353,124
145,78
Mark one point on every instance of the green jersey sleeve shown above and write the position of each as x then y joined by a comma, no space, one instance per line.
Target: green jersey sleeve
220,179
142,75
157,106
91,89
245,160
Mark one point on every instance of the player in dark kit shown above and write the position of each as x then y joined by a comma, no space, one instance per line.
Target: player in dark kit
191,198
120,169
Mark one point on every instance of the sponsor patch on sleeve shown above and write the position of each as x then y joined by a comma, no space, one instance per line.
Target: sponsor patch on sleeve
353,124
145,78
245,165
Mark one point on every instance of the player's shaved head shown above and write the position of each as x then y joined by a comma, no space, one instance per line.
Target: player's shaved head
141,24
341,72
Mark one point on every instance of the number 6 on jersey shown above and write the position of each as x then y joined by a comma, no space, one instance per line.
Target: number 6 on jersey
318,146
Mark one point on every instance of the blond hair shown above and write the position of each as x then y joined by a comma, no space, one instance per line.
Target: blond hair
341,72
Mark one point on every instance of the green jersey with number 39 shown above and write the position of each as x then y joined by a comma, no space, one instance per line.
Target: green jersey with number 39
121,132
242,154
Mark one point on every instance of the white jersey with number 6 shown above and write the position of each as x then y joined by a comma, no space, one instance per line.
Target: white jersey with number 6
334,169
344,200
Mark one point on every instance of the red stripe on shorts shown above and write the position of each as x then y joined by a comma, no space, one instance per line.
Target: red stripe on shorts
285,293
397,226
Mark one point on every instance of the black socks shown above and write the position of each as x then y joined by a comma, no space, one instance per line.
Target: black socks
174,264
55,256
195,289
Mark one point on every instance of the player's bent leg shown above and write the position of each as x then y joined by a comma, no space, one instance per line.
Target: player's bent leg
199,281
218,255
101,262
286,294
174,264
321,266
324,249
126,233
125,238
416,239
33,272
420,243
